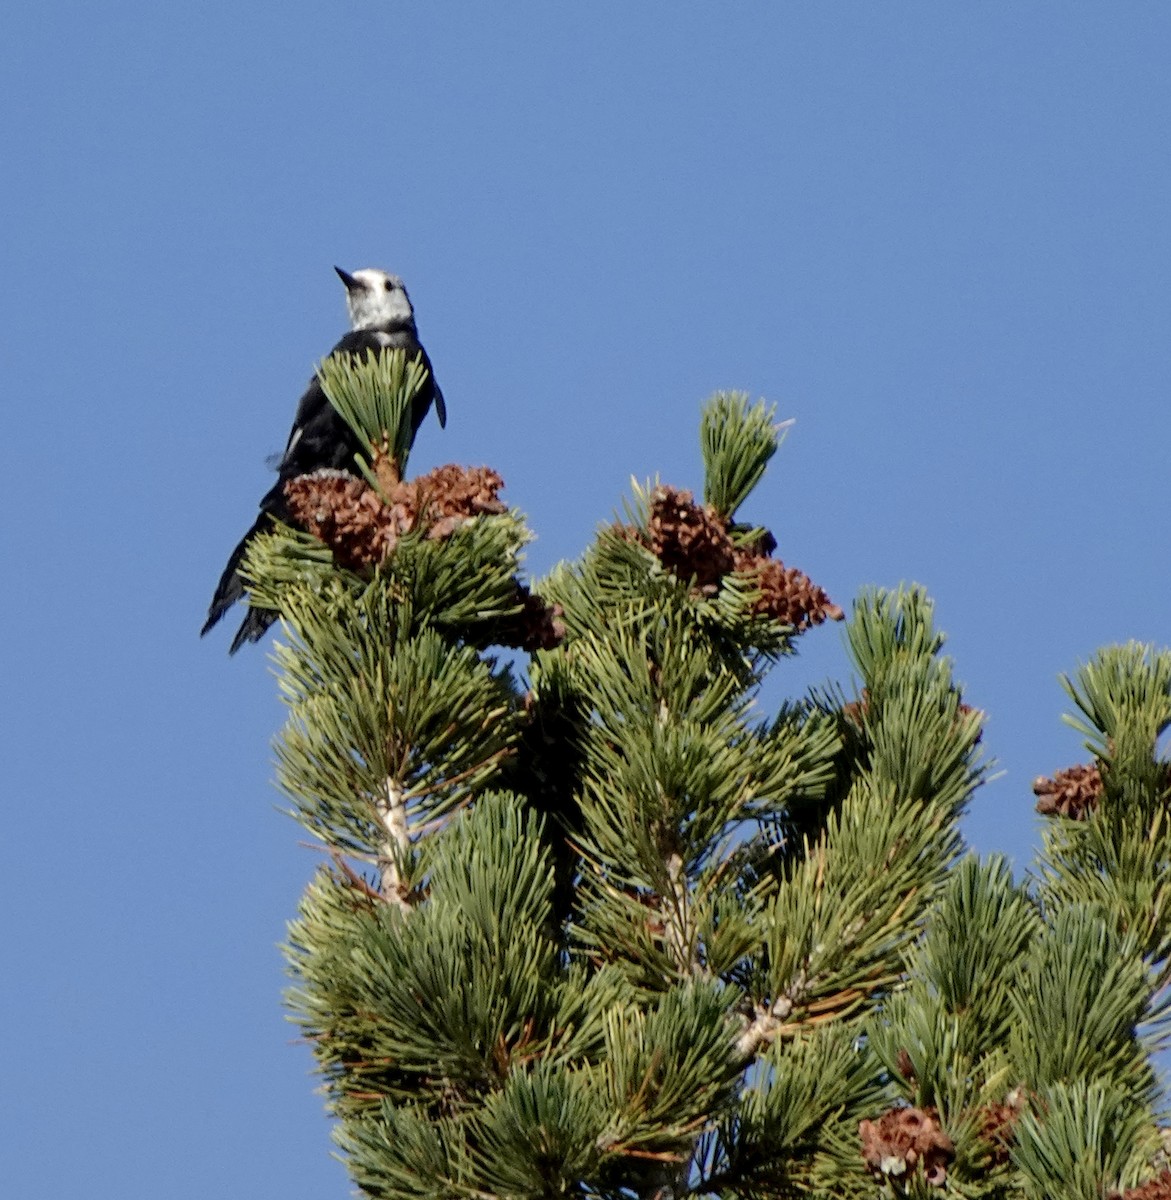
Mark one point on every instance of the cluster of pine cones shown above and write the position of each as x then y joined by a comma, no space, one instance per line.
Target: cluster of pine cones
694,542
361,527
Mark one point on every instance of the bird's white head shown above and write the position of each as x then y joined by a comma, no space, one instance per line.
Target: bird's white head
375,299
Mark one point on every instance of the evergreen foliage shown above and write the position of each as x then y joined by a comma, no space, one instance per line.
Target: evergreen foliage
375,400
611,931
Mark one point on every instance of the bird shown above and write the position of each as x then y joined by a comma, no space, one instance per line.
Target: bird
381,318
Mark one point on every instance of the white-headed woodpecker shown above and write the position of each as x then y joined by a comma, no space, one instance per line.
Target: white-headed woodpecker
381,318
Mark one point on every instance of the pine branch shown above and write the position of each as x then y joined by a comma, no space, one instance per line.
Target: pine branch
393,814
737,443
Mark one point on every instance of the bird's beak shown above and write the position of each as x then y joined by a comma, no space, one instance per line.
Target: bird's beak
347,279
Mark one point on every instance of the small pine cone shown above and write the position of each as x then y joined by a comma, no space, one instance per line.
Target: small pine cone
998,1129
454,491
905,1065
345,514
446,497
902,1139
688,539
789,595
538,626
1158,1188
1074,792
541,626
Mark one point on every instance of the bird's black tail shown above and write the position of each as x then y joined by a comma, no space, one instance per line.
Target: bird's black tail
253,627
231,588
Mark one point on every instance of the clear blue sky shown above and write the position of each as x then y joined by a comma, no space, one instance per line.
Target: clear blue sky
936,234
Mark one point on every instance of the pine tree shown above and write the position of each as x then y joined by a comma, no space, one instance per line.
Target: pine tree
593,926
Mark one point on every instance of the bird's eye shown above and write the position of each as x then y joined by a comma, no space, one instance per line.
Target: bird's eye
389,286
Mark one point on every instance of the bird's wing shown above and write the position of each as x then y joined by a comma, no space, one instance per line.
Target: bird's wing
436,391
318,426
310,409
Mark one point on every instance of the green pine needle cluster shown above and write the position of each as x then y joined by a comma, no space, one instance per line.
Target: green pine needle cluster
737,442
374,395
598,926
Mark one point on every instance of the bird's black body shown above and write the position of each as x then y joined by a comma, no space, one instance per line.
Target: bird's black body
321,439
